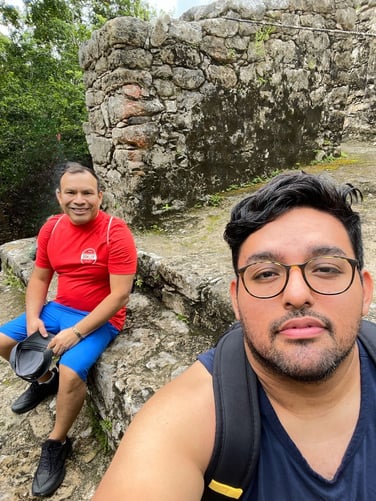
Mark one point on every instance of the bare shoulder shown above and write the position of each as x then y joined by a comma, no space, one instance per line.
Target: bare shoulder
166,449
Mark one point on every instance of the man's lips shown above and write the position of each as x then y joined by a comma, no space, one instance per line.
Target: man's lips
79,210
302,328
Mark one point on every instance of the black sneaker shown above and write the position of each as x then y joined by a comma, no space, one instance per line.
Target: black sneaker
36,393
51,468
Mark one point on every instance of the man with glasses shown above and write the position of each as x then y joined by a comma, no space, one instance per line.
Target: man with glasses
299,292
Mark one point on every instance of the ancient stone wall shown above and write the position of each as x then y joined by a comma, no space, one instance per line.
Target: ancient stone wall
360,109
183,108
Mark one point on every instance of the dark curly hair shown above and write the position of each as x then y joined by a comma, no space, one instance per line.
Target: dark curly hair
287,191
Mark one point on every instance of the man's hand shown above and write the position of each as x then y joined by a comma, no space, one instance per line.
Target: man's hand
35,325
63,341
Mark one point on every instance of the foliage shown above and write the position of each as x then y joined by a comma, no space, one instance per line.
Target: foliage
42,98
11,279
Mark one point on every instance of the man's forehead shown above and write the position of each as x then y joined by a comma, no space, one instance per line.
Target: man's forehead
306,231
74,178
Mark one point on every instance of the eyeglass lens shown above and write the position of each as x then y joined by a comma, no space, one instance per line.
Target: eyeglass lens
325,275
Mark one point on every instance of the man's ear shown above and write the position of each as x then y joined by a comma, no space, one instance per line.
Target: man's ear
234,297
58,195
367,290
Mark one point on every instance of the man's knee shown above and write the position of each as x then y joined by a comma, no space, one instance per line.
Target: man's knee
6,345
69,379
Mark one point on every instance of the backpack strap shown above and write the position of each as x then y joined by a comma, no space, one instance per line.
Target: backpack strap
367,335
238,426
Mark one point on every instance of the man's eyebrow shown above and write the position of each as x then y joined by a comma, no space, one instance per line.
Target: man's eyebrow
313,251
263,256
327,251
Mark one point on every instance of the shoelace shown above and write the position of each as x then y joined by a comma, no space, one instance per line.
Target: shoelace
34,386
50,454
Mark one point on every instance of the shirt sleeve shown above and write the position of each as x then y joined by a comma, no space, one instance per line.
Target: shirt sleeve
43,238
122,249
207,360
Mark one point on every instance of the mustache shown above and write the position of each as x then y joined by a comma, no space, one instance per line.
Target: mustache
303,312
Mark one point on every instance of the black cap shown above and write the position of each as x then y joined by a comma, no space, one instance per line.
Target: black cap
30,359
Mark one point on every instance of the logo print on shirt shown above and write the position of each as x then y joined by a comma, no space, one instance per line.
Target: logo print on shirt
88,256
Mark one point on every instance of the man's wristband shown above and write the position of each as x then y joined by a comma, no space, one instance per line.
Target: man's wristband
78,333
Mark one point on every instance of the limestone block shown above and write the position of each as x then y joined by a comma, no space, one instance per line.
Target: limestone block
346,18
140,136
121,108
100,148
93,98
163,72
216,49
121,76
223,75
164,88
221,28
186,32
159,30
130,58
188,79
127,31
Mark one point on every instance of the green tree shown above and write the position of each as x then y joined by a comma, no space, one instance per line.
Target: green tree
42,96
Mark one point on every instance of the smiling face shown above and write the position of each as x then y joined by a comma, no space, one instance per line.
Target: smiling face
78,196
300,333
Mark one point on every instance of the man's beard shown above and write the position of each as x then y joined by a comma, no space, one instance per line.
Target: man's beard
277,362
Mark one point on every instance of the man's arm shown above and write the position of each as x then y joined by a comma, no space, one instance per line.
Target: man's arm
36,294
166,449
121,288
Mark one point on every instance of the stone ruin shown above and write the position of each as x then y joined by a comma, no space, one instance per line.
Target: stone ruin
180,109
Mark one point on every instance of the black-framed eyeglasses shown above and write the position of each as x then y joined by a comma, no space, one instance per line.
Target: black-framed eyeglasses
328,275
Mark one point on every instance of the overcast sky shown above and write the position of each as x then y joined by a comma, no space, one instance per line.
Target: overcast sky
176,7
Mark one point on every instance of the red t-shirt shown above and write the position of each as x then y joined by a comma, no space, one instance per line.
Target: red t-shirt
83,256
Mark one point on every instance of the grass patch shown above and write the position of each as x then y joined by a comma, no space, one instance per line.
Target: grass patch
12,280
101,429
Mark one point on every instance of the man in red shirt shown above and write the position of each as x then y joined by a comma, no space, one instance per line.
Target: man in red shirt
95,259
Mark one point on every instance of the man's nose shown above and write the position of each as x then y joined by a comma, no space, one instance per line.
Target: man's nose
297,292
79,198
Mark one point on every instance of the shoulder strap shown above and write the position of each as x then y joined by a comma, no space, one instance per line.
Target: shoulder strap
238,427
367,335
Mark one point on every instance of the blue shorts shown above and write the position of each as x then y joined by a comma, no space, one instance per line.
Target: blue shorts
57,317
